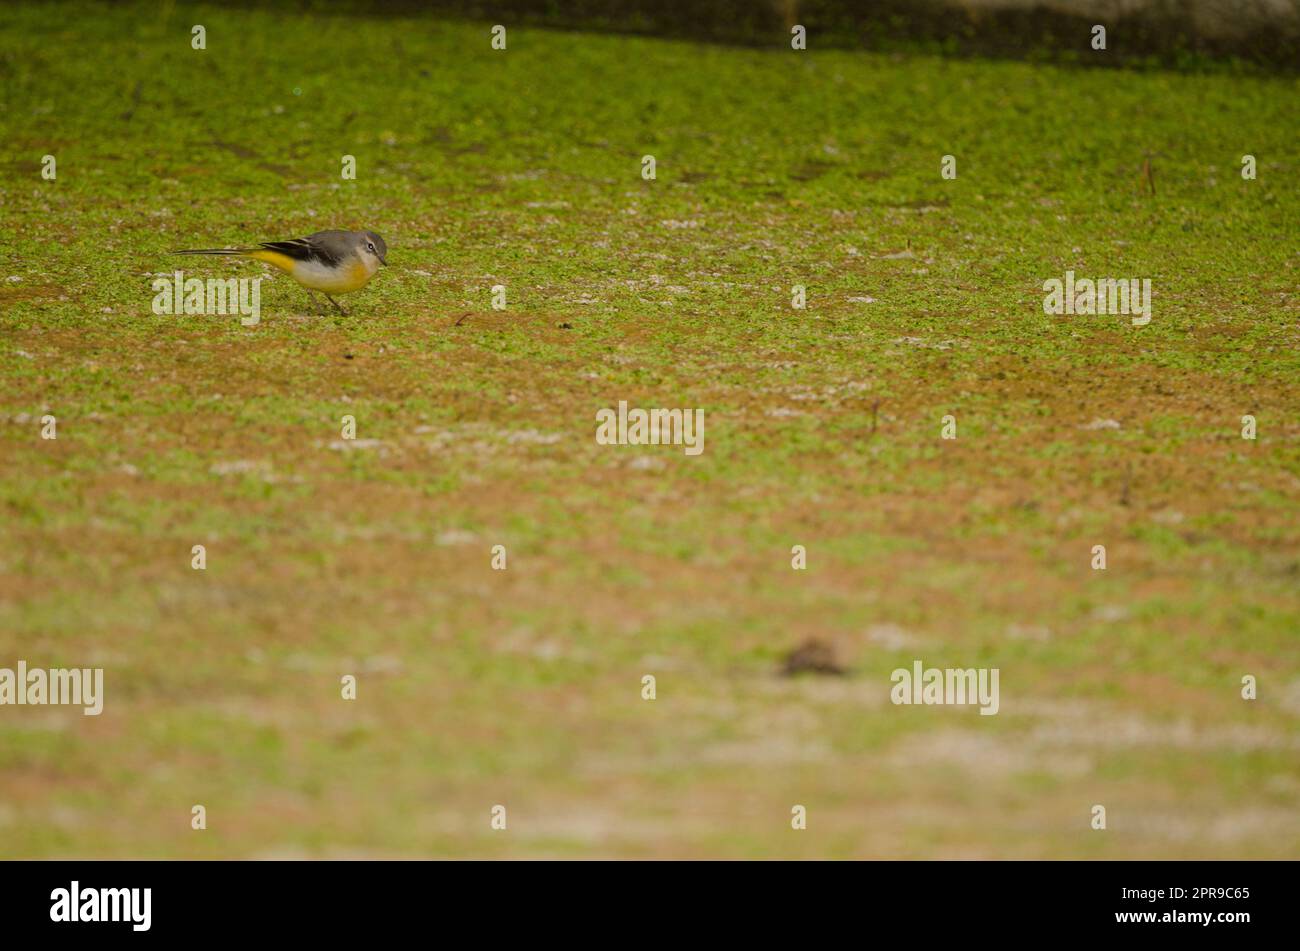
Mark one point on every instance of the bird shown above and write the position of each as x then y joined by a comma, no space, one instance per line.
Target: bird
332,262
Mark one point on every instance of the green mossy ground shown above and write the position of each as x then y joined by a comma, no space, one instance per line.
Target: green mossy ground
476,428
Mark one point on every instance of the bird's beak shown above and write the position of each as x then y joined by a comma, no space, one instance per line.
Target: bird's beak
381,260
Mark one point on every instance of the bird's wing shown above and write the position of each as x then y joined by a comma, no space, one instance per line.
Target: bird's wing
307,249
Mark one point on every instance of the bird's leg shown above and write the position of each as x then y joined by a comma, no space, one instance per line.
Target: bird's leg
315,302
336,304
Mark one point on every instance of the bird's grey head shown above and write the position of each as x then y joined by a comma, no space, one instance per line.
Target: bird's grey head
373,245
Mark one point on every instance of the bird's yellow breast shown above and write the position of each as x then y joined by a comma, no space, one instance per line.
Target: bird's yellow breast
358,275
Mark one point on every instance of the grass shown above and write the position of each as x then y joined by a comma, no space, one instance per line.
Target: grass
475,428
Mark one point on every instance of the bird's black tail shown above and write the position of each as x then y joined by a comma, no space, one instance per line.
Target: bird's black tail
217,251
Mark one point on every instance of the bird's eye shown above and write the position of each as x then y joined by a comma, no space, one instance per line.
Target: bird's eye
370,247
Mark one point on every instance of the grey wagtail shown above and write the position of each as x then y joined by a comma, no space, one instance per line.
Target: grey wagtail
332,262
